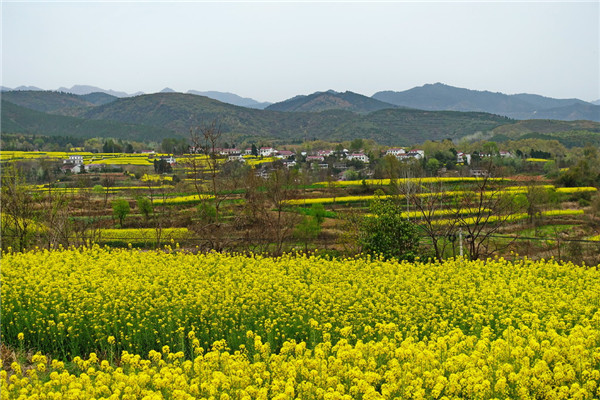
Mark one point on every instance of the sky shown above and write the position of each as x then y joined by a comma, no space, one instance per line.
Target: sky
271,51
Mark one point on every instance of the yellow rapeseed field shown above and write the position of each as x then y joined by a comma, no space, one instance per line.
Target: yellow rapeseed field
168,324
385,182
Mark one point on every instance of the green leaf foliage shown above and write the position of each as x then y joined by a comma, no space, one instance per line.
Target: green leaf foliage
387,234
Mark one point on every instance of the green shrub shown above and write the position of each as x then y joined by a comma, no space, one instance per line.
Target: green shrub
387,234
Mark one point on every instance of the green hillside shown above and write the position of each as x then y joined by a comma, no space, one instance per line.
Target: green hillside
98,98
331,100
48,101
545,126
155,116
16,119
179,112
519,106
569,133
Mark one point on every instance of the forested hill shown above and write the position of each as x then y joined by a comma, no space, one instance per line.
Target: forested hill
331,100
179,112
438,97
161,115
16,119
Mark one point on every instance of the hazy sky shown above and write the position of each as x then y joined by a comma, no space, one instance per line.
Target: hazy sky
272,51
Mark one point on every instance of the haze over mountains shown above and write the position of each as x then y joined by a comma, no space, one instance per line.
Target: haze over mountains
232,98
224,97
395,118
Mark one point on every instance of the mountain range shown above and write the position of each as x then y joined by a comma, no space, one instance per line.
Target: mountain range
232,98
159,115
224,97
433,97
326,115
438,97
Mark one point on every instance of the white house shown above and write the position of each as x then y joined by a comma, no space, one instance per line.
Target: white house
463,158
94,167
325,153
169,159
266,151
75,169
396,151
314,158
416,153
506,154
236,157
226,152
480,173
358,156
285,154
75,159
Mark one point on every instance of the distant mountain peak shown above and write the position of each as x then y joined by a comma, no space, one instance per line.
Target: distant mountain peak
231,98
167,90
442,97
28,88
331,100
87,89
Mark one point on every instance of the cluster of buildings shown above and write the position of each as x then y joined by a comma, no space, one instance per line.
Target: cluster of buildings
287,155
464,158
403,155
318,159
75,165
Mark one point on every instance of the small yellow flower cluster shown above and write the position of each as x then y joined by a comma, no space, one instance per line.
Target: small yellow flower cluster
122,161
540,160
248,327
257,161
141,235
582,189
511,217
155,178
191,199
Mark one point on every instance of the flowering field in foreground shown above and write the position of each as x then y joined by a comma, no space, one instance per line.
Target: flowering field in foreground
176,325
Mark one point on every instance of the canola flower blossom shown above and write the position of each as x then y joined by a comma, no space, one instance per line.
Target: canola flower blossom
509,190
191,199
221,326
155,178
141,235
512,217
540,160
385,182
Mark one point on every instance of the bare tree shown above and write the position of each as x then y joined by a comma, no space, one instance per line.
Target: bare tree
489,210
281,185
157,208
18,210
193,162
428,202
108,182
56,210
264,219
